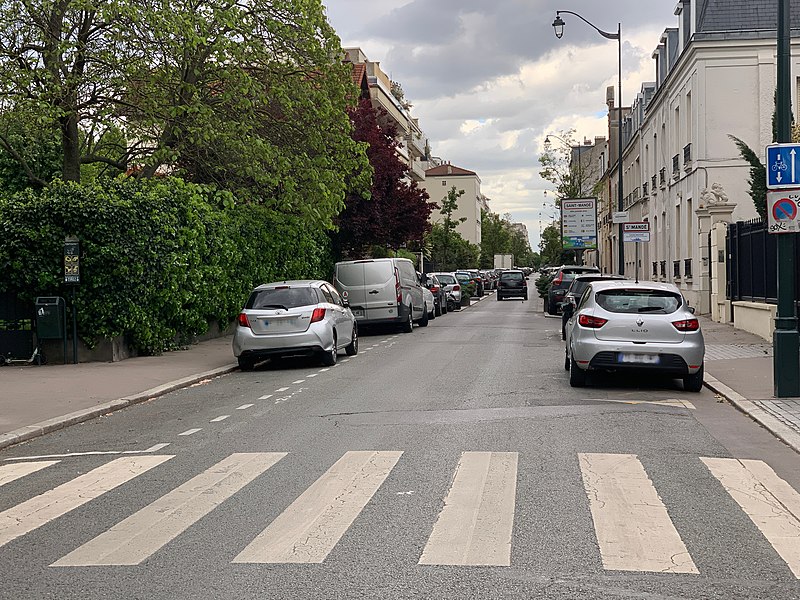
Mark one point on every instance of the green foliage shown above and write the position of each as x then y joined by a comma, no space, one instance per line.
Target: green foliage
543,283
161,259
572,178
758,176
449,251
551,246
498,236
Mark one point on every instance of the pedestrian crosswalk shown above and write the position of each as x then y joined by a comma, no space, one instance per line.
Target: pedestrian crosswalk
477,522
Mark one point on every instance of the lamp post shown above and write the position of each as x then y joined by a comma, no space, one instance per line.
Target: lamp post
558,27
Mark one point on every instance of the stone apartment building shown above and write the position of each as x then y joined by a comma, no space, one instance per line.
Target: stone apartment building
440,179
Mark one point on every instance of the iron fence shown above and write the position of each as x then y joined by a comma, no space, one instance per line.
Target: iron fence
676,269
687,268
752,262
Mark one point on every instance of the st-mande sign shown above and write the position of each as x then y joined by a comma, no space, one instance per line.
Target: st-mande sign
579,223
636,231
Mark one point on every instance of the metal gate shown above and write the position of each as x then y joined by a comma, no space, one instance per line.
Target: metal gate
16,327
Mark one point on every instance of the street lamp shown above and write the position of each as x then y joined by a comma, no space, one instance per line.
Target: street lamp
558,27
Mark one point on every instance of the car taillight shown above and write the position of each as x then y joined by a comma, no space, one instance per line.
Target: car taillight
397,289
591,322
435,289
243,320
456,288
687,325
317,315
559,279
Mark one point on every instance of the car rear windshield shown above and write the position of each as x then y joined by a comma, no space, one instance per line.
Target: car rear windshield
446,279
639,301
512,276
366,273
282,297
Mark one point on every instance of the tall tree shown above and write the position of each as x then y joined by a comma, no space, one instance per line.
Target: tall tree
562,166
397,209
495,238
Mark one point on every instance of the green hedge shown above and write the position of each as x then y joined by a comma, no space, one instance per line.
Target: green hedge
161,259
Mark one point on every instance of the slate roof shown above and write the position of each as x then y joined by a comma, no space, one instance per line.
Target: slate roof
742,15
443,170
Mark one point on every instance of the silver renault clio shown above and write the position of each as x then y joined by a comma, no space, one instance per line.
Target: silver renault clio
623,326
293,318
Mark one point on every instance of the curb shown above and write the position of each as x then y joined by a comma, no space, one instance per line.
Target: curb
43,427
786,434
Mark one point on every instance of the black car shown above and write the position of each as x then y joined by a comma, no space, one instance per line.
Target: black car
574,293
439,293
512,283
558,287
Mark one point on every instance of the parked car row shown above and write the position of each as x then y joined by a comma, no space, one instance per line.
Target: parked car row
317,318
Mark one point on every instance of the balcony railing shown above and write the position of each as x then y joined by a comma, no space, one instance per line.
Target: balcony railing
663,266
676,269
687,156
662,176
416,143
644,189
676,167
687,268
416,171
655,268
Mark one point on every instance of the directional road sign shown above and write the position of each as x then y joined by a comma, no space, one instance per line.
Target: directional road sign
783,166
636,231
783,211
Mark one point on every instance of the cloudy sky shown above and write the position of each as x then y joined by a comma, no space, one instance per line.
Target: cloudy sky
488,79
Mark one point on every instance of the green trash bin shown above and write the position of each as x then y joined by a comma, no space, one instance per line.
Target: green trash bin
51,313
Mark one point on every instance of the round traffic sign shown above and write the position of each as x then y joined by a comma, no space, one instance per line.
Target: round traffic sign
784,210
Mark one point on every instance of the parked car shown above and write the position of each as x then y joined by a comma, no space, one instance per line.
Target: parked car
512,283
294,318
430,303
476,277
382,290
558,286
452,289
622,326
439,293
573,294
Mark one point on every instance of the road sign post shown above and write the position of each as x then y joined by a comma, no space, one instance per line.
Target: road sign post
636,233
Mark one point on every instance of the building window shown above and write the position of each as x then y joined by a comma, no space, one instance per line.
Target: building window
444,182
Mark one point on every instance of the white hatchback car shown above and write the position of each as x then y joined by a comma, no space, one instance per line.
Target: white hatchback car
294,318
624,326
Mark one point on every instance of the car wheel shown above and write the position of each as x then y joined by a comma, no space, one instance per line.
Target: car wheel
694,382
329,357
408,326
437,310
499,297
524,297
445,307
577,376
246,363
352,348
423,322
566,360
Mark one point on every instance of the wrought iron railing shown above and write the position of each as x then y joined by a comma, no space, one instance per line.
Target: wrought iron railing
687,268
644,189
663,266
687,156
662,176
676,269
676,167
655,268
653,184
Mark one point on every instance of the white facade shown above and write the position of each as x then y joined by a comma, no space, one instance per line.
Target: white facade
440,180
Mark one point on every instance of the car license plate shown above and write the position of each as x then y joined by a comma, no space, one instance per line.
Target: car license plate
357,312
642,359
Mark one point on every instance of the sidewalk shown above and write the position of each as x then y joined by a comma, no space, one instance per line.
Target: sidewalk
38,399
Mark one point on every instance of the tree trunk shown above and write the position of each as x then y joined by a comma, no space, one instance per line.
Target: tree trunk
70,143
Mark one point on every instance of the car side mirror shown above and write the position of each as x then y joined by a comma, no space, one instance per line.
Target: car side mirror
691,309
345,302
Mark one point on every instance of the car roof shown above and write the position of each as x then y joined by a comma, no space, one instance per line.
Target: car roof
292,283
511,271
599,277
634,285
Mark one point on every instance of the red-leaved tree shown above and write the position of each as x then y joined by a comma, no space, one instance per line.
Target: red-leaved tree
397,212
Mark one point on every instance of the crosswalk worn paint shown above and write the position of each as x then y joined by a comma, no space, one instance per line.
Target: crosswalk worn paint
474,526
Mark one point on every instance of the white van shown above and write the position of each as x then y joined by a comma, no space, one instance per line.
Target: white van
382,290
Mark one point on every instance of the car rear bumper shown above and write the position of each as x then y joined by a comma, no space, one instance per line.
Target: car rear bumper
673,359
509,292
314,339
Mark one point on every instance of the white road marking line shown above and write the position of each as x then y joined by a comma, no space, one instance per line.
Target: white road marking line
298,381
283,389
308,530
13,471
191,431
323,370
312,375
157,447
633,528
70,454
476,523
771,503
366,349
219,418
267,397
32,514
142,534
672,402
345,360
244,406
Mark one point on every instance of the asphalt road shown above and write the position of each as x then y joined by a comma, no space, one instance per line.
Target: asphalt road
453,462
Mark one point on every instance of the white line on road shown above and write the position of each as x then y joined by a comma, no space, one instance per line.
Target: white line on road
313,524
143,533
267,397
633,528
9,473
323,370
191,431
312,375
244,406
157,447
283,389
345,360
770,502
219,418
477,521
32,514
298,381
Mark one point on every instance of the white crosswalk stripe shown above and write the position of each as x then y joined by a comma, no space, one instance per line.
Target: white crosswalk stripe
145,532
475,526
633,528
307,531
14,471
771,503
54,503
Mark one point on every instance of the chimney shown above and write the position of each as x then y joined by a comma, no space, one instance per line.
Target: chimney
610,97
